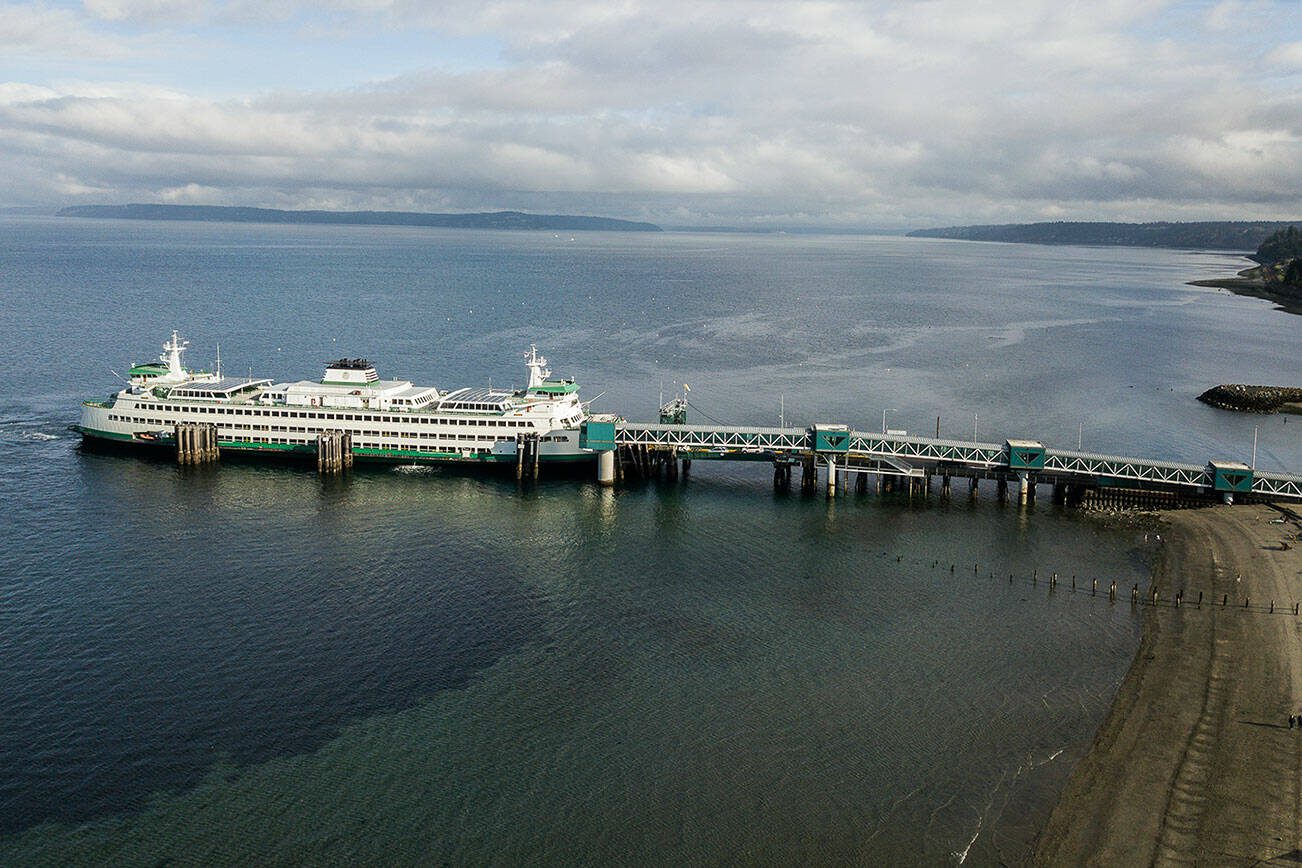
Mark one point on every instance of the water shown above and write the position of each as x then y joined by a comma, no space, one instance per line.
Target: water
251,663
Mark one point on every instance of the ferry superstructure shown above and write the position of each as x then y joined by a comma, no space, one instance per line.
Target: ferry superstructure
388,420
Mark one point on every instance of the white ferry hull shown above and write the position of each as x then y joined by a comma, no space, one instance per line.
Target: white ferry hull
274,431
383,420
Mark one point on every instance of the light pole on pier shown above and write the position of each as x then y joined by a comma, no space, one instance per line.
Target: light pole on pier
974,427
1254,447
884,412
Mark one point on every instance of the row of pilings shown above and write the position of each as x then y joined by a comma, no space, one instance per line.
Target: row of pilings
528,448
334,451
634,461
1023,488
196,443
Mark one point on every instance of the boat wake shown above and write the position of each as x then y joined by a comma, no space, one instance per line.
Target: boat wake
417,469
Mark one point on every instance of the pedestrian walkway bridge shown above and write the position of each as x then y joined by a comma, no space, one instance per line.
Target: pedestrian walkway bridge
911,462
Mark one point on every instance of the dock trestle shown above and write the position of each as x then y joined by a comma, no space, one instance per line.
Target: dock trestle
907,464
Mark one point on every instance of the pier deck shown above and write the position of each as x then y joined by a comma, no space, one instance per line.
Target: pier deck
839,450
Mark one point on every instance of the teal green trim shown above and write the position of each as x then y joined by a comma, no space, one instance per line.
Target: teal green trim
361,453
597,436
252,446
109,435
831,438
555,387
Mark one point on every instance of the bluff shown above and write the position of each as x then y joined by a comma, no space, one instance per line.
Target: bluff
1279,276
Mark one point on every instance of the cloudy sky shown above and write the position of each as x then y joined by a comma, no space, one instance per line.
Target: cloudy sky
687,112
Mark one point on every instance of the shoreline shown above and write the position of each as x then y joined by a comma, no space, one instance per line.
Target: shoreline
1253,288
1195,760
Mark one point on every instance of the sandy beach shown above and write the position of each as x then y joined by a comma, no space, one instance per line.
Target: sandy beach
1196,762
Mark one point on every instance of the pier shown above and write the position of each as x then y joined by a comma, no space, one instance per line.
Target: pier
834,457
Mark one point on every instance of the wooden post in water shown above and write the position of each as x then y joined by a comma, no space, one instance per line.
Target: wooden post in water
334,451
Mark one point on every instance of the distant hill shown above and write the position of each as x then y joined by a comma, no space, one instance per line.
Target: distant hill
1213,235
494,220
1284,244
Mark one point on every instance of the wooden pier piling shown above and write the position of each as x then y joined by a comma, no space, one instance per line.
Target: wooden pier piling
808,474
527,449
196,443
334,451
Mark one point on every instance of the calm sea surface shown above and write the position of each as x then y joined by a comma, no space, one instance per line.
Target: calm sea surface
249,663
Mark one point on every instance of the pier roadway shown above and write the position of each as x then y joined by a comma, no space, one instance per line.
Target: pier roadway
839,454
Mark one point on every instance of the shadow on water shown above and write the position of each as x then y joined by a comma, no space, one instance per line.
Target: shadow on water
249,613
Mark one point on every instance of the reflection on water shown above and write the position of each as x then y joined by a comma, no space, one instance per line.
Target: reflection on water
248,662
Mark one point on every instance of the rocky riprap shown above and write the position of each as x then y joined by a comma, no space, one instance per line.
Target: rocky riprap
1250,399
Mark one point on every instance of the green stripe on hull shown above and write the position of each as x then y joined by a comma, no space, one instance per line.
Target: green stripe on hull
359,453
111,435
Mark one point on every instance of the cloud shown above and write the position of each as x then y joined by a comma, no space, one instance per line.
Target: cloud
1288,55
880,114
40,31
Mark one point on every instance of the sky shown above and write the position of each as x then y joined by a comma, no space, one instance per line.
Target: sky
684,112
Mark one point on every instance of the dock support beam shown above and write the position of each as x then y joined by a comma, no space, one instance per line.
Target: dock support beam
606,468
527,447
781,475
334,451
196,443
808,475
831,476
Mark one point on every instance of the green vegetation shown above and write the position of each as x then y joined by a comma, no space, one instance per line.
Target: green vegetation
1284,244
1279,276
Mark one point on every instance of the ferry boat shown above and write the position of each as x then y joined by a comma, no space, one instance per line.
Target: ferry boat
386,420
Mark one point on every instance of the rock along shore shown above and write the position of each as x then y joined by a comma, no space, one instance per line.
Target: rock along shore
1251,399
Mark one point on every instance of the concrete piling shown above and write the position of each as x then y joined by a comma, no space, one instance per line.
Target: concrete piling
605,468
